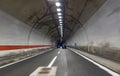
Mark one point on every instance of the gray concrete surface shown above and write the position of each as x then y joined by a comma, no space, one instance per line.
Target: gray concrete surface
15,32
103,27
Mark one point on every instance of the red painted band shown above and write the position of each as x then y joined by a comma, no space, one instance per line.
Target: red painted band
13,47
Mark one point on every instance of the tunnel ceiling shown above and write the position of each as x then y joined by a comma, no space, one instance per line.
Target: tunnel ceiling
38,15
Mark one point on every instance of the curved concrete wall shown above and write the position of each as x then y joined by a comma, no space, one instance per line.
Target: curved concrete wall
15,33
102,28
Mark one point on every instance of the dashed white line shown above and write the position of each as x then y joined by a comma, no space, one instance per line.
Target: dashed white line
52,62
58,52
100,66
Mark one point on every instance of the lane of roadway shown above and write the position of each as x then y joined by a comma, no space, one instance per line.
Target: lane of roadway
71,64
26,67
68,63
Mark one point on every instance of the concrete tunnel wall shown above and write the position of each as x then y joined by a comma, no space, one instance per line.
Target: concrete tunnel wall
103,27
100,35
14,35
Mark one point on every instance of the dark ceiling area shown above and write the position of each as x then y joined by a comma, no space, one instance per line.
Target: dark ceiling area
42,16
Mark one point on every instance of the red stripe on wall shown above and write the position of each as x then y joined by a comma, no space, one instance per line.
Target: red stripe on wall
13,47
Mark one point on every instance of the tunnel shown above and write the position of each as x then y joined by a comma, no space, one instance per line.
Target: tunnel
59,37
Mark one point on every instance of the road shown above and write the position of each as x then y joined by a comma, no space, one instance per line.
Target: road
68,63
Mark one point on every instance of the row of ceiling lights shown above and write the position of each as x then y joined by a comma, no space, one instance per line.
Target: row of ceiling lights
60,17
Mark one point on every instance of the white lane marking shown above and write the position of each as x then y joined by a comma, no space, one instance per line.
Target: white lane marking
51,63
20,60
99,65
58,52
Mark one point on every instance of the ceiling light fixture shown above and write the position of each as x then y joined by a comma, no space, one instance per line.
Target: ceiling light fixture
58,9
59,17
58,4
60,20
61,24
59,14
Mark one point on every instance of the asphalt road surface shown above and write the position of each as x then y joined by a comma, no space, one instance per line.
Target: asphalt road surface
68,63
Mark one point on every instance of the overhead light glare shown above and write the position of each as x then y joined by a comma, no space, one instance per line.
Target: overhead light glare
58,4
58,9
61,24
59,17
59,14
60,20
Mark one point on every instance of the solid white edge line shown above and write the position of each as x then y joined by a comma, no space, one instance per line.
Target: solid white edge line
99,65
51,63
20,60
